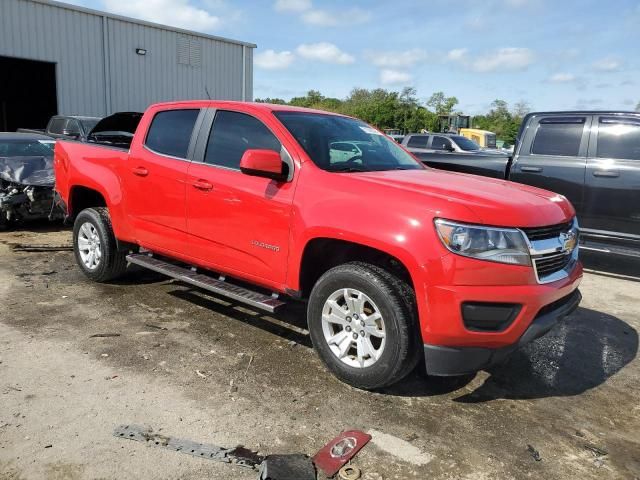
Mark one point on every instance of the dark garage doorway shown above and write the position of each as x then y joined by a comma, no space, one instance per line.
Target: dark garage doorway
27,93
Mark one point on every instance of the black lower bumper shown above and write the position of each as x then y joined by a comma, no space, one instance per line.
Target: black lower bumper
449,361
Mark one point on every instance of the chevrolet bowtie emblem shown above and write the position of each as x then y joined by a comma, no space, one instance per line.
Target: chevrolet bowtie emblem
568,240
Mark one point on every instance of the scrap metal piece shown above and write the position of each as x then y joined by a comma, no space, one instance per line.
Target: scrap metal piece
238,456
339,451
287,467
349,472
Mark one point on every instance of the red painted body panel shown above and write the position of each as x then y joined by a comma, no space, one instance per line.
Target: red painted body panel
257,229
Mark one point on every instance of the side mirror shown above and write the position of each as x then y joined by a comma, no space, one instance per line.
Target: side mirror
450,149
264,163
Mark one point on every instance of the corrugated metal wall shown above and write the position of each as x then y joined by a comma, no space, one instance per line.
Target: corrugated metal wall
75,40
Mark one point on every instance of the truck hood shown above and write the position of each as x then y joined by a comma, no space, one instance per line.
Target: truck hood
493,202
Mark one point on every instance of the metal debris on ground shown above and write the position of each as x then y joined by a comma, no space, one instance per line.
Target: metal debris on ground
151,325
534,453
287,467
28,247
104,335
349,472
598,452
340,450
238,456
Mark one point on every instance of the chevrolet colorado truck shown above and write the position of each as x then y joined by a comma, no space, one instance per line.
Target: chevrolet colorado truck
264,204
591,157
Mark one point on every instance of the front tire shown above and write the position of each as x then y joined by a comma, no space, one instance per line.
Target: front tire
94,246
362,324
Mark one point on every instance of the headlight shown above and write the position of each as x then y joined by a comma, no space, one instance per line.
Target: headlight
504,245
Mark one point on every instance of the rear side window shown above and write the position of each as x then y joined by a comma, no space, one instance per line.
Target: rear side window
418,142
170,132
440,143
559,137
619,138
233,134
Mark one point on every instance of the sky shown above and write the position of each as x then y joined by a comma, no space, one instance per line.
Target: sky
552,54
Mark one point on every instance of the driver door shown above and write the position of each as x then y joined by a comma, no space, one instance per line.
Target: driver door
237,223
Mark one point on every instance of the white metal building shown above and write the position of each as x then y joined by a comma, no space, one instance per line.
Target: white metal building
59,58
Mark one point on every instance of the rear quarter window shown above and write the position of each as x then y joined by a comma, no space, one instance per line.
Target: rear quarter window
559,137
170,132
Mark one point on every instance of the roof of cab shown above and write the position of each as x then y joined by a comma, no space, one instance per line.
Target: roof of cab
271,107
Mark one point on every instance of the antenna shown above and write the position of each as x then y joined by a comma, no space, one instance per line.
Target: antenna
207,92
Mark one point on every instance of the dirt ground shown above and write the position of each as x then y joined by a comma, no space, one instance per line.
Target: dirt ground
200,368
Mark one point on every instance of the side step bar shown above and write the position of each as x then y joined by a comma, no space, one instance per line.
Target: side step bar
220,287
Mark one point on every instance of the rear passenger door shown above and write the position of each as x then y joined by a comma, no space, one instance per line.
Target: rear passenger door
553,156
155,180
237,223
612,190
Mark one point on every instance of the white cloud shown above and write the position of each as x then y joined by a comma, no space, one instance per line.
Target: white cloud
394,77
324,52
323,18
177,13
504,59
607,65
457,54
272,60
392,59
562,78
292,5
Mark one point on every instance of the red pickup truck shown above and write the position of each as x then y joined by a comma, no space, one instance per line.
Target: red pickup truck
399,263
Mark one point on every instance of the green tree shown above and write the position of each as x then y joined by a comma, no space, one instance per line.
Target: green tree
500,121
440,104
278,101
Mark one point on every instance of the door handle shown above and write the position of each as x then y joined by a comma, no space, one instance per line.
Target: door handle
140,171
202,185
606,173
524,168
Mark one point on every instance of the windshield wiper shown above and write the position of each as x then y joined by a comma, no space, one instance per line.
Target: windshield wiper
347,170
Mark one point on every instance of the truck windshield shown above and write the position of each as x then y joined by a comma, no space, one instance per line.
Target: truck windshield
465,144
342,144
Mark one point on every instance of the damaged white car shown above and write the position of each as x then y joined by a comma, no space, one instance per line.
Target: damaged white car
26,178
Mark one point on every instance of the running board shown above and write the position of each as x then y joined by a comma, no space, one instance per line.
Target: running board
220,287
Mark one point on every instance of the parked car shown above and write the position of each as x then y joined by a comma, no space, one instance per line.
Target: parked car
67,126
590,157
455,153
26,178
397,261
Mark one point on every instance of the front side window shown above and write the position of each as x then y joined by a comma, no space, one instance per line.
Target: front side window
234,133
170,132
72,127
619,138
559,137
418,141
440,143
361,148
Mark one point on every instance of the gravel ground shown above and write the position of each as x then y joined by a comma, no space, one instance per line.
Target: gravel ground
196,367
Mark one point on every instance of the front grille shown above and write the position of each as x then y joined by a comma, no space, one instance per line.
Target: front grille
550,263
544,233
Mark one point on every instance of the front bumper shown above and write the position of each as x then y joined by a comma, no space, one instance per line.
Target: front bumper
448,361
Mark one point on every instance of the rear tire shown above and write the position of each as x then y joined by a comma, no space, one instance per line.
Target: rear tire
94,246
362,323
